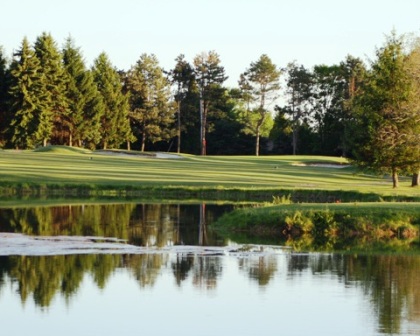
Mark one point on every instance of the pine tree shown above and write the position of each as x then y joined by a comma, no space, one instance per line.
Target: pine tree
85,102
260,83
388,115
181,76
151,112
209,75
4,116
25,97
56,111
115,123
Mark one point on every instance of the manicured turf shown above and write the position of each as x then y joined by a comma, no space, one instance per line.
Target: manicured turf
63,166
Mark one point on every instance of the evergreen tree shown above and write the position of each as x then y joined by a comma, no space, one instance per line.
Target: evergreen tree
115,123
209,75
55,118
413,136
151,111
85,102
284,141
4,116
261,84
181,77
388,115
25,97
354,73
327,99
298,103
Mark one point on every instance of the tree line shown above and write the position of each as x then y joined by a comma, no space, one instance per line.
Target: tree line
367,112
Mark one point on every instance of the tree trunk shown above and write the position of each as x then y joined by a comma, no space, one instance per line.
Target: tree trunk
143,142
44,143
178,150
394,178
257,143
71,140
416,179
294,141
128,145
203,128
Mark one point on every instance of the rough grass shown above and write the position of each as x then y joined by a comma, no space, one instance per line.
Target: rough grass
326,227
59,167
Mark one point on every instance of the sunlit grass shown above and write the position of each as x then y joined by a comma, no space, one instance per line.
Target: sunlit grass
69,166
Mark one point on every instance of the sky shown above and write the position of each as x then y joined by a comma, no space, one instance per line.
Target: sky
306,31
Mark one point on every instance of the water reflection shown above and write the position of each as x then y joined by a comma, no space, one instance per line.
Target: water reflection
386,286
389,283
140,224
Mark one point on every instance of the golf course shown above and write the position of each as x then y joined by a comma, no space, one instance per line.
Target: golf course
65,169
288,196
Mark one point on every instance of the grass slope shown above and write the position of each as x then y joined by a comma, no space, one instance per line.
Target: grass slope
63,167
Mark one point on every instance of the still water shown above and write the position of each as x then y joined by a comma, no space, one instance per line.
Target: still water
284,293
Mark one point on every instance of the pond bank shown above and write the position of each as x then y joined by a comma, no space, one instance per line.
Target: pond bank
324,226
198,193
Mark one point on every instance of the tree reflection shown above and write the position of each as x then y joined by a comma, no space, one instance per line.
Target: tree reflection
206,271
145,267
43,277
181,267
390,282
261,269
140,224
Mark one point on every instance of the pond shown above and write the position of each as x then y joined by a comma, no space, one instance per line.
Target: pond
184,288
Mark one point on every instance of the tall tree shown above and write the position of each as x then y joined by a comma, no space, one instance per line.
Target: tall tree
388,140
354,73
115,123
56,111
413,137
298,93
209,75
85,103
4,116
25,97
260,85
327,101
151,111
181,77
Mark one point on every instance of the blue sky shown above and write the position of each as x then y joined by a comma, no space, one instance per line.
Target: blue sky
310,32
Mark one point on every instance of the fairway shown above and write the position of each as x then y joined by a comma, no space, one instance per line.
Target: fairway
63,166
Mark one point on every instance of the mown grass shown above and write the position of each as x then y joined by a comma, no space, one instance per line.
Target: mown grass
65,170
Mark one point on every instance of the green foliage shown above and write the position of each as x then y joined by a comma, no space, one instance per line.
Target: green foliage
327,228
26,98
284,199
386,132
151,112
259,87
115,124
85,103
54,118
209,76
